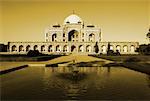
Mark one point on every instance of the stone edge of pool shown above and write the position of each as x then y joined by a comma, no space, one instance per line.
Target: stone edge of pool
14,68
114,64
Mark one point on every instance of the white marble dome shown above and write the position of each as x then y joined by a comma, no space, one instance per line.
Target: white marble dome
73,19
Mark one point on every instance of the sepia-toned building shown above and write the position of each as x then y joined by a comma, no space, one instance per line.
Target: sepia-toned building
73,36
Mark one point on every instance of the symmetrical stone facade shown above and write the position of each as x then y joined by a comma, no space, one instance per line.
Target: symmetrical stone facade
72,37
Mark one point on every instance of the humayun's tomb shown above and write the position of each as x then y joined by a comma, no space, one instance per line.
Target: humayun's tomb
72,37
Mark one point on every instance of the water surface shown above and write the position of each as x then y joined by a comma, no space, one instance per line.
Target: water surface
47,83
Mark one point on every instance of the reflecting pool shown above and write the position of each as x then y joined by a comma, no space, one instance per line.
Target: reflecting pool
47,83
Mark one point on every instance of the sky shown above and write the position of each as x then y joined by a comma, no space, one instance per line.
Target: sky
119,20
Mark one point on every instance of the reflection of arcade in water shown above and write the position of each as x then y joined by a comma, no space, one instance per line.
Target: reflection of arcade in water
74,81
84,82
97,70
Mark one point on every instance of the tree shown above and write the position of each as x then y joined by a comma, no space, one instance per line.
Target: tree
148,35
96,47
144,49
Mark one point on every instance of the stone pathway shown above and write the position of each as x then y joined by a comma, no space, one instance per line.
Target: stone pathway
64,59
77,58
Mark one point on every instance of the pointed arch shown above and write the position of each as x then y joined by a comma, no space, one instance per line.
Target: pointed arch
81,49
58,48
42,48
111,47
28,48
92,37
88,48
132,48
73,35
35,47
21,48
73,47
54,36
118,47
50,48
65,48
125,48
14,48
103,49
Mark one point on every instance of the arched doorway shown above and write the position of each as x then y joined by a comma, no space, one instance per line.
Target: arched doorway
111,47
118,47
42,48
65,48
125,48
54,36
13,48
91,37
73,48
132,48
88,48
35,47
73,35
27,48
20,48
103,49
58,49
81,48
50,48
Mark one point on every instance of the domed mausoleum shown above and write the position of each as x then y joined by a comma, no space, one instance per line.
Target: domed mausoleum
72,37
73,19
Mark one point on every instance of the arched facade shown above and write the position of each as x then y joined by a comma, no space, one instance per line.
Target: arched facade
84,48
73,36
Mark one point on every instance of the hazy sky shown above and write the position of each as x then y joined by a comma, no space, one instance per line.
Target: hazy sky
119,20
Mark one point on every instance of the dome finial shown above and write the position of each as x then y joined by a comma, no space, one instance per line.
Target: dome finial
73,12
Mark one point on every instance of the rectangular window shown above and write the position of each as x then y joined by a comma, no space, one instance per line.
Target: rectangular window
82,40
63,40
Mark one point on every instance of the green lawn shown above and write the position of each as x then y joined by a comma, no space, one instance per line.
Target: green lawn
123,58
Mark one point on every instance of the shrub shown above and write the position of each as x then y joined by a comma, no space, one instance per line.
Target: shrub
33,53
132,59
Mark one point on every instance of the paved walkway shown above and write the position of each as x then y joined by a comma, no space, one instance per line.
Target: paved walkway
78,58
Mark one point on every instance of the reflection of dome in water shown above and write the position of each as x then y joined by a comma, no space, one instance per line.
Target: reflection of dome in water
73,19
